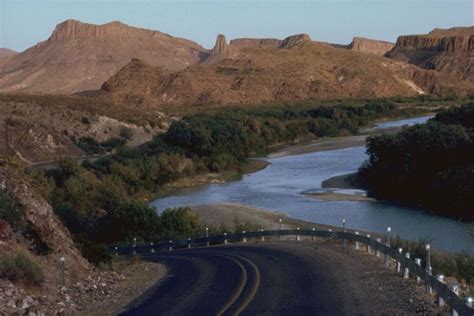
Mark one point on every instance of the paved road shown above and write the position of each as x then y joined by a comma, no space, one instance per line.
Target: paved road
270,279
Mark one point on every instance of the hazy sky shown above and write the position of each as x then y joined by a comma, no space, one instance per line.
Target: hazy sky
23,23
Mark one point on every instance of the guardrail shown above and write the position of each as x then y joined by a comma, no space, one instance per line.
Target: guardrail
446,294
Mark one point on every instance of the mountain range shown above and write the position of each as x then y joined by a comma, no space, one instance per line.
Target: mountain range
136,66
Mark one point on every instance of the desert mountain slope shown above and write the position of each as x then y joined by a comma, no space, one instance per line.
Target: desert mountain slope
80,56
446,50
6,54
306,70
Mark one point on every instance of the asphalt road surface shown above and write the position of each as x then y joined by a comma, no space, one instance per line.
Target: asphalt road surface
271,279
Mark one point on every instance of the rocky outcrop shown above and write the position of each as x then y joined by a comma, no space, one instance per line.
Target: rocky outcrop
40,215
221,46
80,56
293,40
366,45
449,51
239,43
452,44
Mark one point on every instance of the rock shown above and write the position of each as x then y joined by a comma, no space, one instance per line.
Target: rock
221,46
449,51
293,40
365,45
5,230
11,303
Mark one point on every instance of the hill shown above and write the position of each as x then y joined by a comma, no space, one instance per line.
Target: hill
80,56
253,75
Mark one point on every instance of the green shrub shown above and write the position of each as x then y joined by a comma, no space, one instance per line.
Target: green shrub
20,266
10,212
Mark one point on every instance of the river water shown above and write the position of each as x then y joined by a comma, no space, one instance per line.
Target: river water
281,185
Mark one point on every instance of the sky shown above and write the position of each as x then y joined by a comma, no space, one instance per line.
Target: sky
23,23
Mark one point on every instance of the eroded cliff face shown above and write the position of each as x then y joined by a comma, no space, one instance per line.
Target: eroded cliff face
366,45
448,51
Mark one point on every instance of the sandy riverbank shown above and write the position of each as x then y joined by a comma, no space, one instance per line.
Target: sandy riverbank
336,196
230,213
320,145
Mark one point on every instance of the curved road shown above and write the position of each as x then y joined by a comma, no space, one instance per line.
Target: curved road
243,279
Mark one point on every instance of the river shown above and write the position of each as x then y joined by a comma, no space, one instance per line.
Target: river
281,185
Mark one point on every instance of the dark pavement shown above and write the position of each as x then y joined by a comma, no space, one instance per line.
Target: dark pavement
247,279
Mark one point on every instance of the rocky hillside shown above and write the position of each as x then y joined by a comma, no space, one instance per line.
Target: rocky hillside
42,128
297,69
449,51
366,45
80,56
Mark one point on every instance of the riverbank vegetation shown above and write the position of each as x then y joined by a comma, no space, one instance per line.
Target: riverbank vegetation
104,202
429,165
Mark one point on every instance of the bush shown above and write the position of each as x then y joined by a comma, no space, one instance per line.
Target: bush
10,212
20,266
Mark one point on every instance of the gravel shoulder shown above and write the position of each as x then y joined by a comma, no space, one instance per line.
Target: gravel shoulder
135,281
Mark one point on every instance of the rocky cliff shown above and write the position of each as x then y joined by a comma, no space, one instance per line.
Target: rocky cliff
449,51
366,45
80,56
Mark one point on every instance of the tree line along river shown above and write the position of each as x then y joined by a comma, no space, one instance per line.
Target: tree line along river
281,186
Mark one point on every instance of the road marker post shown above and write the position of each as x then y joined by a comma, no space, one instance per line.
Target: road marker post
441,302
244,238
406,273
116,251
330,233
455,289
207,236
63,273
418,263
298,234
314,232
357,243
386,259
134,245
377,252
399,264
279,228
152,249
263,237
368,244
429,270
469,301
170,245
344,230
225,239
189,243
